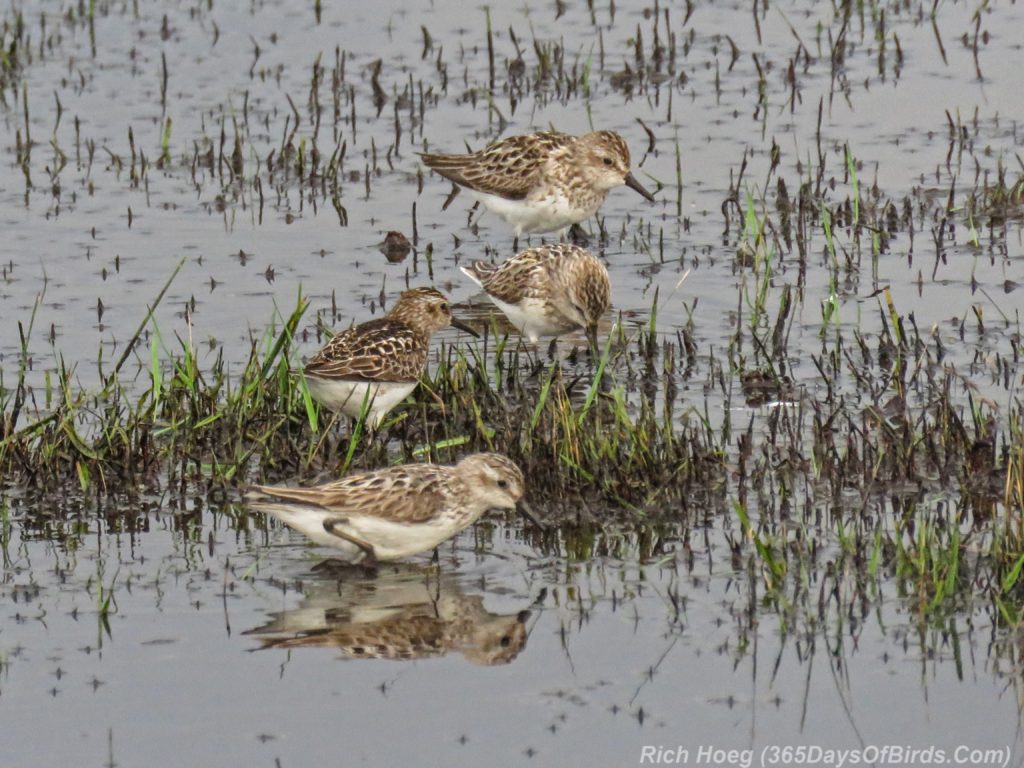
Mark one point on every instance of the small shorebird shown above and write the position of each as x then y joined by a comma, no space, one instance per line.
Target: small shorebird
398,511
548,290
543,182
380,360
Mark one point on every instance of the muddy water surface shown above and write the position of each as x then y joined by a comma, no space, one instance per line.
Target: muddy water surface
197,636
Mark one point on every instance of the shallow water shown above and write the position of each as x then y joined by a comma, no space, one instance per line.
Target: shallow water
609,663
666,645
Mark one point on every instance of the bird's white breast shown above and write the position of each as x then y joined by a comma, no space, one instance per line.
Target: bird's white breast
347,396
549,213
533,318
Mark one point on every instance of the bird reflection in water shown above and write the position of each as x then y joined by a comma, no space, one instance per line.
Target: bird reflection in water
399,614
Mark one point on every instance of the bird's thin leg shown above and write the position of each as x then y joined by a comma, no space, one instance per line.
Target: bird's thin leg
332,566
469,216
436,397
374,430
532,351
324,441
369,555
576,234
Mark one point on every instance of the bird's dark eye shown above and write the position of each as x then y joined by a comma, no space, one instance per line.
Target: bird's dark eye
444,307
506,641
503,483
608,161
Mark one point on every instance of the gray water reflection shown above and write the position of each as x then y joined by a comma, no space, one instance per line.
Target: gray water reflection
624,651
396,613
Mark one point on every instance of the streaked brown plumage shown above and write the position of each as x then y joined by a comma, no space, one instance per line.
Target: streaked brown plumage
542,182
405,624
389,348
397,511
509,168
381,359
420,636
548,290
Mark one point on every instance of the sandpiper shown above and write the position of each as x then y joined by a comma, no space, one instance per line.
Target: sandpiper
543,182
380,361
398,511
548,290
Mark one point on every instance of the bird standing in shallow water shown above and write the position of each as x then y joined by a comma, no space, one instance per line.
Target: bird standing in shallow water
380,360
548,290
543,182
398,511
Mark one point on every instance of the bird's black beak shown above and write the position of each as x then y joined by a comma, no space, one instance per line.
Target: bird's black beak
525,511
632,183
465,327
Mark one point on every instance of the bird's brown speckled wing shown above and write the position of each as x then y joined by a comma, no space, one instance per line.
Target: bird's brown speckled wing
414,636
409,494
378,350
508,168
517,278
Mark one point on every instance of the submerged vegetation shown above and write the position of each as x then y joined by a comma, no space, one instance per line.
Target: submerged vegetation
829,439
891,455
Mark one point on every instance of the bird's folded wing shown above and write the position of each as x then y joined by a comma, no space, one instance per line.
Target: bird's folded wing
380,350
408,496
509,168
